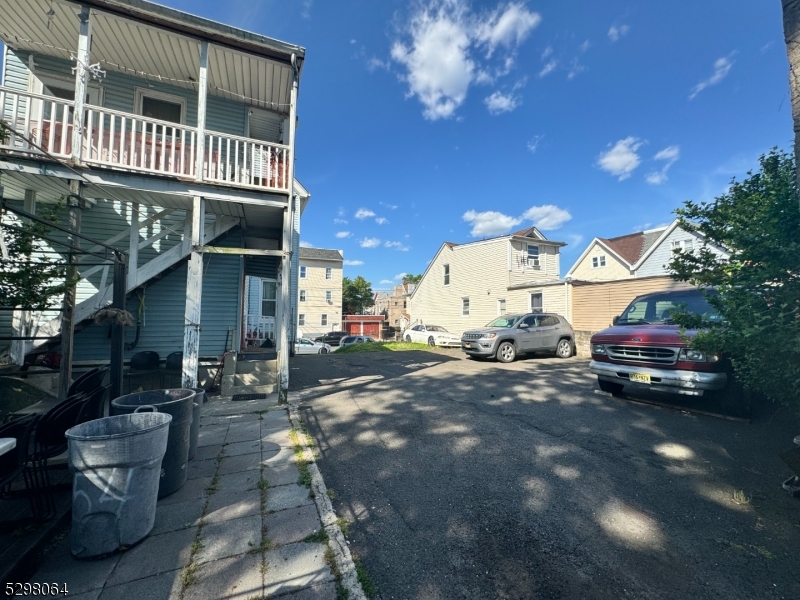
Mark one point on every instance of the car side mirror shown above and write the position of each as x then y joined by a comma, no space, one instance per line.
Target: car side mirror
523,326
615,320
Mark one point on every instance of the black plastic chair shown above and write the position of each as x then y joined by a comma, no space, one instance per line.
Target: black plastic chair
15,462
88,382
94,406
144,366
48,442
173,370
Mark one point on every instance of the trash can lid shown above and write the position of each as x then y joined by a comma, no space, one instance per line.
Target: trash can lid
118,426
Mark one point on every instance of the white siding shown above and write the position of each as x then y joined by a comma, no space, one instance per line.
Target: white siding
478,271
554,299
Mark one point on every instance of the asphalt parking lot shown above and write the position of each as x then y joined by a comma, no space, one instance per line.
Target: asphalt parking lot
467,479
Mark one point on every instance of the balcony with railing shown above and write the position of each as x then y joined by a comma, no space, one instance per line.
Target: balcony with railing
43,125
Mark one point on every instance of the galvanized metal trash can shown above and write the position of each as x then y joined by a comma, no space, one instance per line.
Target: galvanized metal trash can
116,463
180,404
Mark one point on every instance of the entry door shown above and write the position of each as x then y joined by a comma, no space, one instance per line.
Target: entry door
260,310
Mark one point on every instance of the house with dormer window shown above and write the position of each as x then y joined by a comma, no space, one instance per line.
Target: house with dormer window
467,285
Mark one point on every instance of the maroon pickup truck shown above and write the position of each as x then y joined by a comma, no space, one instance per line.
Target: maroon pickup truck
644,349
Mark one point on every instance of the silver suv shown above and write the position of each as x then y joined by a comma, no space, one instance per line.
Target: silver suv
510,335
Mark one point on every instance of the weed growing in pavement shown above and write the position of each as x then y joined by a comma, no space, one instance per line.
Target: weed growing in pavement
300,459
344,525
740,497
331,493
330,558
318,537
369,587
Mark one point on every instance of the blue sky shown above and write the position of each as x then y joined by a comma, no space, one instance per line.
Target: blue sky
448,120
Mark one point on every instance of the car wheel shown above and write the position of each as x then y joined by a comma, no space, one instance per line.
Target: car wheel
408,338
506,352
323,350
615,389
564,349
431,341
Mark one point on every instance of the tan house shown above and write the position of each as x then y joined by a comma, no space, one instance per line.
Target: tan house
397,309
613,271
319,291
467,285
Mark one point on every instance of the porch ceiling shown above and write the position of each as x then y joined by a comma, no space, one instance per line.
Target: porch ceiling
136,48
50,190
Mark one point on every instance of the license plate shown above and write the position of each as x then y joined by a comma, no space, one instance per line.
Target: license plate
467,345
639,377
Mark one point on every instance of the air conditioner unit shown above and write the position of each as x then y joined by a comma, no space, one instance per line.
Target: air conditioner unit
533,262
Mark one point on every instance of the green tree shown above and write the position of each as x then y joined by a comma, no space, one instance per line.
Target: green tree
412,278
29,277
356,295
757,221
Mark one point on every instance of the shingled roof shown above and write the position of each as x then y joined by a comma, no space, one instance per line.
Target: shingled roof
320,253
631,247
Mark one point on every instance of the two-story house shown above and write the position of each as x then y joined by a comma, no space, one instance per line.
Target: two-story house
169,139
397,314
319,294
467,285
613,271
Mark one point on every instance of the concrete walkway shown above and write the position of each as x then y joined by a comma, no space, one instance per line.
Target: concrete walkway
240,528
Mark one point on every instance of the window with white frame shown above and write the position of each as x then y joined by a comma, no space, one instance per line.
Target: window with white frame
683,244
599,261
302,295
328,296
302,271
161,106
269,298
328,273
446,271
301,319
501,306
537,305
465,307
323,320
533,256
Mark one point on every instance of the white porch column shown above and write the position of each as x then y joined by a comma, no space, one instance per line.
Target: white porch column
285,304
84,47
133,247
202,85
68,306
194,293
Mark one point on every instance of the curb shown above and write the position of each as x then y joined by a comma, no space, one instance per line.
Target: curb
337,543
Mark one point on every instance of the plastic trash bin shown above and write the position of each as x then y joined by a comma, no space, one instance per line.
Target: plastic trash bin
116,463
180,404
201,395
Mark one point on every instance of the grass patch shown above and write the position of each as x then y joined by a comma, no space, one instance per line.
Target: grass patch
369,587
739,497
381,347
344,525
300,460
320,537
331,493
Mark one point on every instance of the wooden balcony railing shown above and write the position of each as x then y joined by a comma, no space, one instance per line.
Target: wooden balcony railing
123,140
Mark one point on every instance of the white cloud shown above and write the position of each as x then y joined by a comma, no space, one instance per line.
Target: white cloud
343,234
547,216
353,263
499,103
621,159
669,154
438,52
305,244
381,220
370,243
547,52
722,66
306,12
584,46
386,282
340,221
399,276
376,63
534,143
397,246
614,32
575,239
489,222
548,68
575,69
389,206
352,41
509,27
364,213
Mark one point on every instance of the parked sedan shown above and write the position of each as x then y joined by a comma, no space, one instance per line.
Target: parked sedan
332,337
355,339
433,335
304,346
